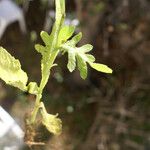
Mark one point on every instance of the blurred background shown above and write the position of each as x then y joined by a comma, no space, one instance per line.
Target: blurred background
104,112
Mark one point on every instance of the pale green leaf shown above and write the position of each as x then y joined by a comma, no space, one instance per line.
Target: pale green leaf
86,48
33,88
65,33
51,50
71,61
82,66
51,122
11,72
60,9
46,38
40,48
90,58
75,39
101,67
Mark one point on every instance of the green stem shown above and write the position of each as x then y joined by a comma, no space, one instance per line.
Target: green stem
39,95
48,69
53,52
36,108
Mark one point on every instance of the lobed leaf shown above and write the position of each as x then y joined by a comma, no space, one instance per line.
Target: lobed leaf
51,122
51,49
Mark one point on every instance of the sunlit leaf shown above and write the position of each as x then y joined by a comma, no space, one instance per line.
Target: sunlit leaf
45,37
75,39
101,67
33,88
40,48
51,122
11,72
82,66
65,33
90,58
86,48
71,61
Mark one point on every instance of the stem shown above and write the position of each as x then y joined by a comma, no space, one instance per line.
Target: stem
49,66
39,95
36,108
53,52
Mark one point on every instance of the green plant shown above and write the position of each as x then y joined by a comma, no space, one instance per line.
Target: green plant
55,43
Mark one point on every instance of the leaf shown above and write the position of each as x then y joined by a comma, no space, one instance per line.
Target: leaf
90,58
82,66
41,49
71,61
82,57
50,50
75,39
86,48
51,122
79,53
11,72
46,38
65,33
60,9
33,88
101,67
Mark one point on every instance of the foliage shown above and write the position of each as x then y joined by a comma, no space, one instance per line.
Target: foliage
55,43
11,72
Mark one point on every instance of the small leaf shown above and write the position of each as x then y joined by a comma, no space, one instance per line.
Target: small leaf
33,88
46,38
11,72
101,67
86,48
51,122
90,58
71,61
82,66
41,49
65,33
75,39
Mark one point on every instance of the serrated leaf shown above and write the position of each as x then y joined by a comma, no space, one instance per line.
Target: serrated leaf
101,67
46,38
11,72
71,61
65,33
90,58
51,122
86,48
82,66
